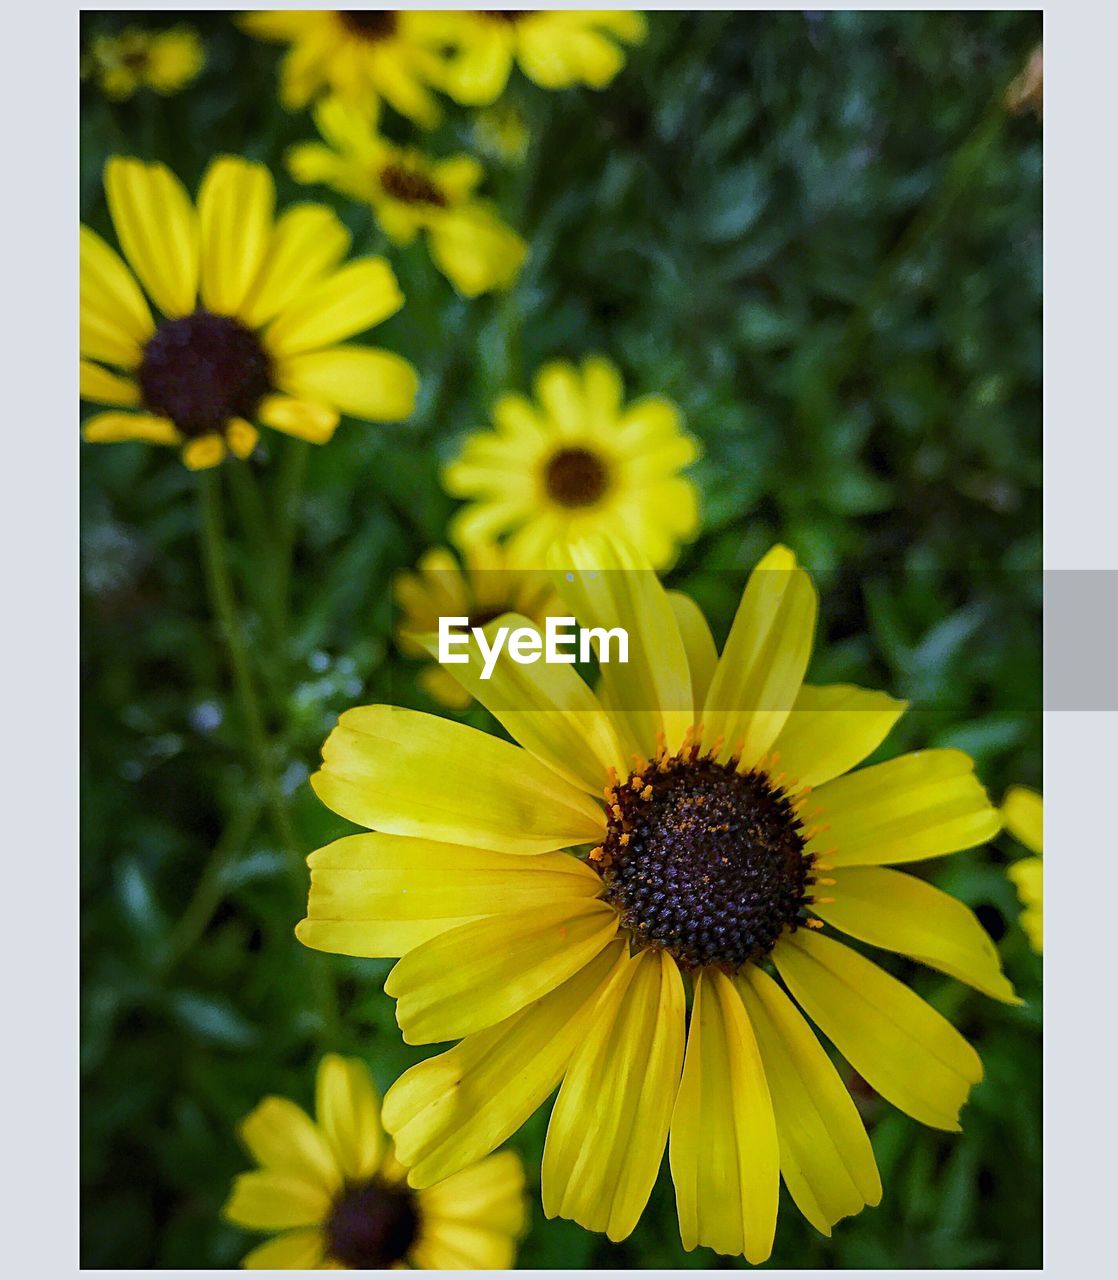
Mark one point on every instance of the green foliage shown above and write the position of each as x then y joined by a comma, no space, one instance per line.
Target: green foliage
818,233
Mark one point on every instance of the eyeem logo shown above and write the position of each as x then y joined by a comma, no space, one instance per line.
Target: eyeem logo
562,641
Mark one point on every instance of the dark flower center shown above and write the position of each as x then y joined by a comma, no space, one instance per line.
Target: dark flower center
201,370
704,861
575,477
505,15
372,1225
410,186
370,24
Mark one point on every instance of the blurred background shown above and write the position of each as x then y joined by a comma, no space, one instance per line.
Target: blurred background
820,234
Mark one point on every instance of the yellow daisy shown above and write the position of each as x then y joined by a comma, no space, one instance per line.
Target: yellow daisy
1023,814
338,1195
165,61
577,462
554,48
694,825
482,587
410,193
362,55
251,314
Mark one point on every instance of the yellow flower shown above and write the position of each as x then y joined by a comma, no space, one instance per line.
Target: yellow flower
335,1190
554,48
165,61
410,193
578,462
553,932
1023,813
362,55
251,314
482,588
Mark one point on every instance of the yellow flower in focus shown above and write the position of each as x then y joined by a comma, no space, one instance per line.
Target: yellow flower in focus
165,61
694,824
410,193
251,312
554,48
577,462
335,1191
481,588
362,55
1023,813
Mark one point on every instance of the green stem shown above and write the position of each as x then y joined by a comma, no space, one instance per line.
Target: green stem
289,489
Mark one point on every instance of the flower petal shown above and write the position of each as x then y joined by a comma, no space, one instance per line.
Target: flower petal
825,1155
300,418
348,1112
353,298
1023,813
284,1139
157,229
115,320
302,1250
451,1110
488,1195
235,205
905,1050
307,241
266,1201
102,386
204,452
832,728
109,428
724,1153
763,664
698,643
610,1122
366,382
478,974
382,895
413,774
920,805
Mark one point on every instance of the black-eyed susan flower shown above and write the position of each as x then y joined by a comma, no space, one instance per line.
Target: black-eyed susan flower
362,55
1023,814
479,587
250,316
335,1191
163,61
554,48
577,462
694,825
411,194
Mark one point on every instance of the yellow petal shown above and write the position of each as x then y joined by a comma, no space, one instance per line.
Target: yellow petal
157,229
235,205
413,774
115,320
1023,813
348,1112
353,298
300,418
109,428
204,452
476,975
901,913
897,1042
610,1122
382,895
606,585
460,1246
723,1151
920,805
242,437
766,654
363,381
488,1195
284,1139
475,250
268,1201
548,708
101,386
451,1110
832,728
603,391
698,643
825,1156
307,241
302,1250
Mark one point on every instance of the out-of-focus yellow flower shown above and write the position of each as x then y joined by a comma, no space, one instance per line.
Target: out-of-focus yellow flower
554,48
481,588
1027,88
695,821
1023,813
252,311
577,462
410,193
165,61
335,1191
362,55
500,132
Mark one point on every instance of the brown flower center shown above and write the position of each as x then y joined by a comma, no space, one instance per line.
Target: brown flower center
410,186
370,24
576,477
372,1225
